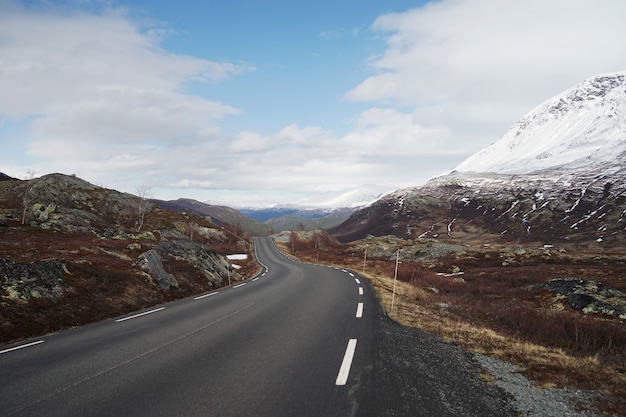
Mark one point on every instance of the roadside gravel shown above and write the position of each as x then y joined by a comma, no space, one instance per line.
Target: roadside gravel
535,402
419,374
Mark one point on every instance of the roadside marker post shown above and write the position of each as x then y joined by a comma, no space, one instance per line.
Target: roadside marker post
395,277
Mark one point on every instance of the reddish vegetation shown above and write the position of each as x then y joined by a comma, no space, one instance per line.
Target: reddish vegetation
102,281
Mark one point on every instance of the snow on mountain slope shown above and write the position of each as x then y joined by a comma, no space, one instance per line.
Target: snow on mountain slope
584,126
356,197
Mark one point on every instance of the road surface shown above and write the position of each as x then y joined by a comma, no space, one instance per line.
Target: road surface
294,341
297,340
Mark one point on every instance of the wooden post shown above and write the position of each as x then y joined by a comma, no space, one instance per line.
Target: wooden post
395,277
364,259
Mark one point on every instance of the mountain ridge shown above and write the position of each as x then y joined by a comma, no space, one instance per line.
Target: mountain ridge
581,126
544,182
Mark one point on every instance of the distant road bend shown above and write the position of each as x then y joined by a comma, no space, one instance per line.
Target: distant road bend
294,341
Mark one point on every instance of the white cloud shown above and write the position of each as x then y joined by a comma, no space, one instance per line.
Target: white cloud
100,95
476,66
102,99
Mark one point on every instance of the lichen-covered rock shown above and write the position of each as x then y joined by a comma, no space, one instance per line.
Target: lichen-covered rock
422,250
215,267
151,262
587,296
25,280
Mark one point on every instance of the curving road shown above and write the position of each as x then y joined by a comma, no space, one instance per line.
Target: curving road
294,341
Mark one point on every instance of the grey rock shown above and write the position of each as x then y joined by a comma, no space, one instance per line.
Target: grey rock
215,267
151,262
26,280
587,296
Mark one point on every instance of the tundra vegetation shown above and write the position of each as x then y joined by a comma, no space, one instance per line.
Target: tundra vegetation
502,301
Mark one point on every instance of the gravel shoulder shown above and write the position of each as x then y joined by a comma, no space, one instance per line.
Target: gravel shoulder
419,374
533,402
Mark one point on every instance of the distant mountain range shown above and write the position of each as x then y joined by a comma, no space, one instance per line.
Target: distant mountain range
323,211
558,175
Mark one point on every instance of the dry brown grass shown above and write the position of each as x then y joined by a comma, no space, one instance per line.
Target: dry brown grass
491,315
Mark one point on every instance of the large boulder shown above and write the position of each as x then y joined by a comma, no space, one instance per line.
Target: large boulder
215,267
152,263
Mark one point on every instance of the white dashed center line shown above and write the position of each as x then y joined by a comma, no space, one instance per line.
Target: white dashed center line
359,310
140,314
360,290
357,280
344,371
239,285
206,295
20,347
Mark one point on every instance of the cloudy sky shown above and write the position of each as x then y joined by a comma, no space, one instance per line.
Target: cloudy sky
252,102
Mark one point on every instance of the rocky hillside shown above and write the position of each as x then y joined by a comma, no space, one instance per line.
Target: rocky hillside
72,252
562,207
220,215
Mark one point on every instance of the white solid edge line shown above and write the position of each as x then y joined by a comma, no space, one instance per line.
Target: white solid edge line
239,285
360,290
359,310
206,295
140,314
344,371
21,347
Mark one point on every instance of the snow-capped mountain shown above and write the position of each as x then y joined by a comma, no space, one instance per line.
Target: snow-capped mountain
583,126
325,210
558,175
353,198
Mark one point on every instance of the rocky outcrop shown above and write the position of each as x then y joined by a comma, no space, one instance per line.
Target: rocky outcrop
25,280
420,250
587,296
152,264
215,267
66,203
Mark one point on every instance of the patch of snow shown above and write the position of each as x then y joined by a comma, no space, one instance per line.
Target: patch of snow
585,125
357,197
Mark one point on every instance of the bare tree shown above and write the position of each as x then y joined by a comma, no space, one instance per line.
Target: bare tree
30,174
144,193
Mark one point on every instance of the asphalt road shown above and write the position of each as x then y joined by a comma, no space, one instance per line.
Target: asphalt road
295,341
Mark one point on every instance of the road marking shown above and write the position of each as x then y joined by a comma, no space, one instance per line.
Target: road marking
343,270
20,347
351,274
359,310
240,285
254,279
344,371
360,290
140,314
206,295
357,280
